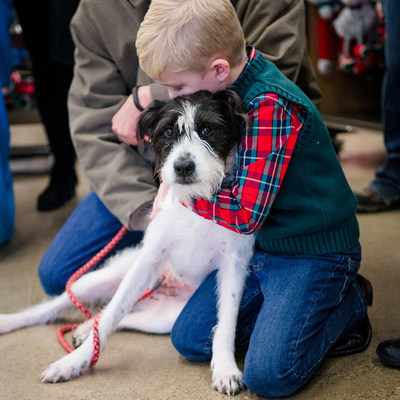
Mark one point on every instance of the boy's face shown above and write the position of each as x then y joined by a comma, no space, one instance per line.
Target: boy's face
188,82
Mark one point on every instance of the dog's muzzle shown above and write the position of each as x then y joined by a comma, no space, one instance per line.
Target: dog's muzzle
185,170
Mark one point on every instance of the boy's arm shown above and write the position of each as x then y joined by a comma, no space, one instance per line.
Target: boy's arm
264,156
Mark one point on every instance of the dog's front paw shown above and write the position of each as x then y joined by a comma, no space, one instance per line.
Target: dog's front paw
64,369
227,380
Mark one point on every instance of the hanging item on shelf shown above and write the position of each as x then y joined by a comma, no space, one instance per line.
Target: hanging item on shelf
357,25
328,42
351,34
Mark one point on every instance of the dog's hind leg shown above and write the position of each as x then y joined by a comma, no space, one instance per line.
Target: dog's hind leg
92,287
157,314
153,316
35,315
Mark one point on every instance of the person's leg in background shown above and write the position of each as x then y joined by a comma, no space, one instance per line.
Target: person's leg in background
7,208
384,192
389,350
52,81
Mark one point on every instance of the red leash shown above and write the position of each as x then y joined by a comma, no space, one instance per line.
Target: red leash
90,264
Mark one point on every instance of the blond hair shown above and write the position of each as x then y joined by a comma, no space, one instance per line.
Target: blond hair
179,35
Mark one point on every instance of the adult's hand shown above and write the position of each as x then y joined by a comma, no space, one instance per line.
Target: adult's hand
124,121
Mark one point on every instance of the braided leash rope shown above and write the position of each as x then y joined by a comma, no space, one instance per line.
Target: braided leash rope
96,341
90,264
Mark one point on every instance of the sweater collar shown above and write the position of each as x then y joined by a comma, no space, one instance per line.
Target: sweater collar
248,73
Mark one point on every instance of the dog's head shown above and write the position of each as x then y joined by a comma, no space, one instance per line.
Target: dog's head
195,139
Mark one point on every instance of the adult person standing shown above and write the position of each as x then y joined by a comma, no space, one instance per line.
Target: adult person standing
45,30
384,191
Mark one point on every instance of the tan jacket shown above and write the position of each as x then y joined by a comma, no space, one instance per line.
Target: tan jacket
106,69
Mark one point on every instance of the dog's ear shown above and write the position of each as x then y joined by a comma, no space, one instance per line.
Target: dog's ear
234,102
238,113
145,129
148,120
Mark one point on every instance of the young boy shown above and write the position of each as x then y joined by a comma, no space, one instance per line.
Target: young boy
301,294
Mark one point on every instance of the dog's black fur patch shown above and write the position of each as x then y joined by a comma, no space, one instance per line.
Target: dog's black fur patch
219,120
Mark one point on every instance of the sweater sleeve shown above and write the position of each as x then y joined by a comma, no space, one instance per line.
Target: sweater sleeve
264,156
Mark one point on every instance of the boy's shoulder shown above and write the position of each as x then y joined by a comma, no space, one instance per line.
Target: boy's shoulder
261,77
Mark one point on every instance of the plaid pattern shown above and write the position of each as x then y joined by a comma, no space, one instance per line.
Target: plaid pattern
264,156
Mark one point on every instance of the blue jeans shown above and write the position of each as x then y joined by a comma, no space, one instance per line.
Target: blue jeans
293,310
7,208
387,179
89,228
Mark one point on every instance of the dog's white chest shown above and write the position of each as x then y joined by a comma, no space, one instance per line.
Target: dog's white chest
195,246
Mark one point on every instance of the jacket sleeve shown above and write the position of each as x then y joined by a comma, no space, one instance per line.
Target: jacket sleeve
277,29
119,175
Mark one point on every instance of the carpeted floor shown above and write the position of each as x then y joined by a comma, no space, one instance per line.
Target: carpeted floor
146,367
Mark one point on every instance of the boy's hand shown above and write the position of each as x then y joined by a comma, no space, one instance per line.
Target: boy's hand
125,119
162,192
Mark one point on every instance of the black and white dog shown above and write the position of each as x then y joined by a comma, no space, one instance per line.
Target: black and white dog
195,140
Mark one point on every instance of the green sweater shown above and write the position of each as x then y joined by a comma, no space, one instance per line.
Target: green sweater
314,211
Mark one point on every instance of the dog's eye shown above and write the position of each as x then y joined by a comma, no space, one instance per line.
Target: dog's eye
169,131
206,131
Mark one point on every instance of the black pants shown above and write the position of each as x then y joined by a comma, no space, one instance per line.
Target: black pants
42,35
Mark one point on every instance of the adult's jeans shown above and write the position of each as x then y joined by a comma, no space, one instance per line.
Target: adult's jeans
89,228
293,310
387,179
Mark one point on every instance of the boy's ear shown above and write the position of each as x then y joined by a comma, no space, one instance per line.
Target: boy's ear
222,69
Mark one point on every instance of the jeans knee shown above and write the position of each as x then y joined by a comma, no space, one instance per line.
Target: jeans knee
273,382
53,284
189,346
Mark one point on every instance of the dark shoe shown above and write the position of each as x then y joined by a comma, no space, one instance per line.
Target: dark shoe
353,342
389,353
371,201
366,288
359,339
59,191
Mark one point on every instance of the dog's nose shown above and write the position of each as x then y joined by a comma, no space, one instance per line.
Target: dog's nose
184,168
